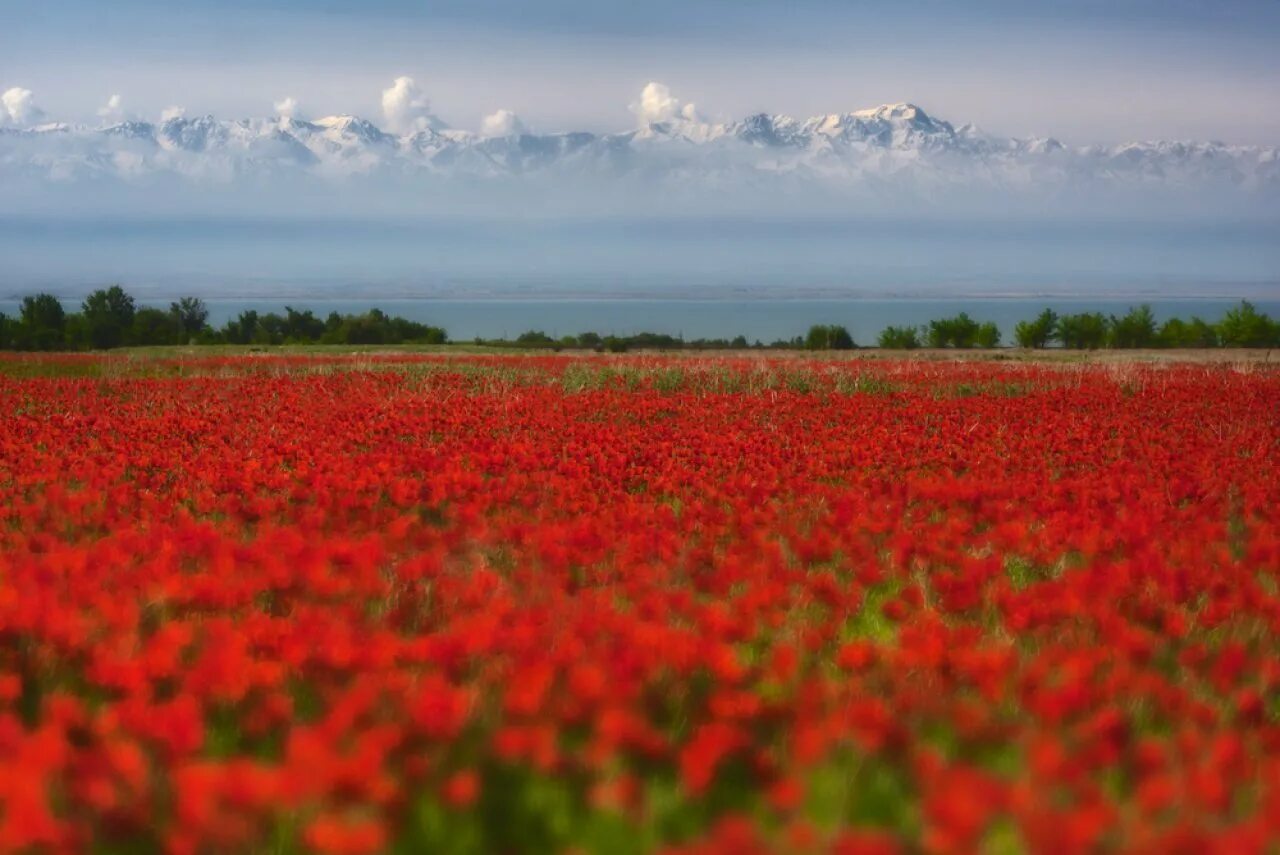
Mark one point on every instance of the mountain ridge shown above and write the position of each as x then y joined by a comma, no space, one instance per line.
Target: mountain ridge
899,141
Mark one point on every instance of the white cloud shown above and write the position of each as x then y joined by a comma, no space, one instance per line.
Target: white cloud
172,113
502,123
657,105
405,109
18,107
287,108
113,110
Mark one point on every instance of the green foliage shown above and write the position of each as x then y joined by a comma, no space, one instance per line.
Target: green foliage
863,791
241,329
42,324
615,343
192,316
110,318
1194,333
1245,326
988,335
1038,333
899,338
522,811
866,384
108,315
154,326
303,326
1085,331
1136,329
650,341
828,337
961,331
621,344
376,327
534,338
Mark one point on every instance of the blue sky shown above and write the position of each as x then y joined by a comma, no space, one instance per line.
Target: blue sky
1082,71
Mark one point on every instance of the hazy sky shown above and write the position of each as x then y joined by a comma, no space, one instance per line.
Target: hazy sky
1095,71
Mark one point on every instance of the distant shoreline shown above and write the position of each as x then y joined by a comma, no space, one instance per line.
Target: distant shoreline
1265,292
112,318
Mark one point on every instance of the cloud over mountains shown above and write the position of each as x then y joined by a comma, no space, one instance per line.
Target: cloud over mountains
17,107
897,150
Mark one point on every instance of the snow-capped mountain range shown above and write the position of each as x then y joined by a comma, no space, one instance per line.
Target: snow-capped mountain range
891,143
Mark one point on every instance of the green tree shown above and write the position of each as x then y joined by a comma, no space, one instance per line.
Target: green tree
241,329
840,339
155,327
987,336
828,337
534,338
654,341
411,331
108,315
1136,329
938,334
899,338
1173,333
363,329
332,323
373,327
42,323
1197,332
1201,333
1245,326
76,334
1085,331
270,330
1038,333
192,316
960,331
302,327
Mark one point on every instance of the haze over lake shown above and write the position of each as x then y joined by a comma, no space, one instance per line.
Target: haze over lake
305,259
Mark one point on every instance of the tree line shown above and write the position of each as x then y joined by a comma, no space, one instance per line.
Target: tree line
1240,326
110,318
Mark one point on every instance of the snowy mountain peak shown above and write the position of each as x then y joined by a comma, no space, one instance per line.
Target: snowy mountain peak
894,112
764,129
899,141
131,130
354,126
195,134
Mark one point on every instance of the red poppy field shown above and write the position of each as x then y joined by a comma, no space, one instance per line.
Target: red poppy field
547,604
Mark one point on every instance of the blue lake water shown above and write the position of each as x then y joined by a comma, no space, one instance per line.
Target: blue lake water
757,319
716,259
709,277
